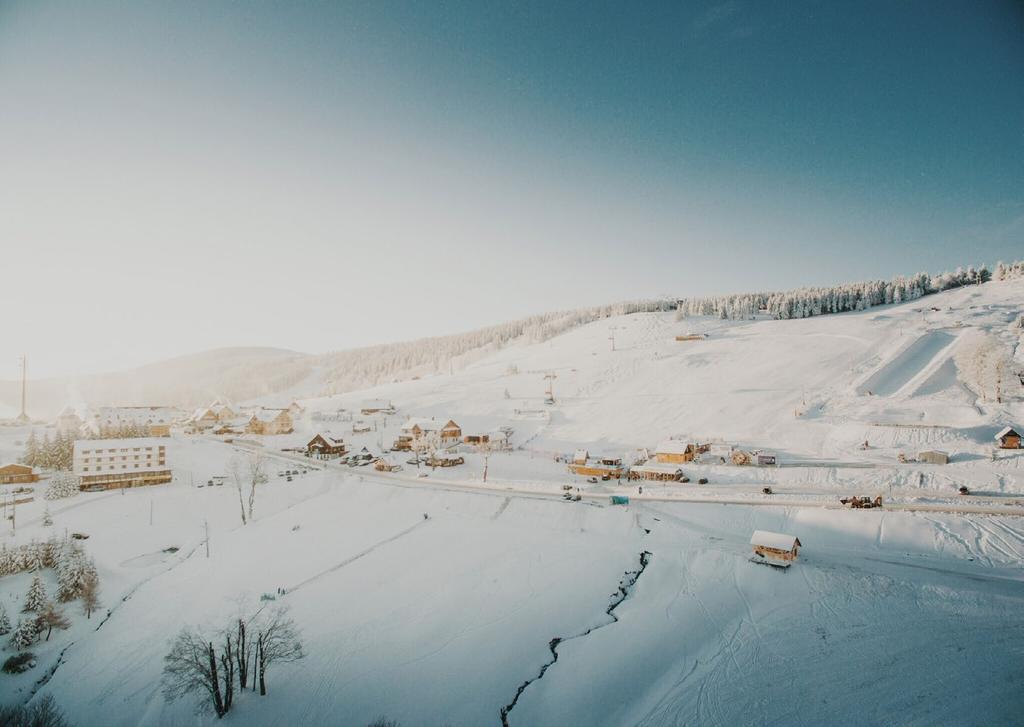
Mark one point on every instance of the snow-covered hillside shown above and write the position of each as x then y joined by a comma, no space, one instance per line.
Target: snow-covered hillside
446,599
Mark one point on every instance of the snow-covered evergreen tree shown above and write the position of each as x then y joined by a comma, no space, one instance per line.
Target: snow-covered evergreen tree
5,621
31,456
25,633
61,485
33,557
10,560
35,599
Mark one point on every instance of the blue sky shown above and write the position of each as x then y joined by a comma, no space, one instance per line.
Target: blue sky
421,168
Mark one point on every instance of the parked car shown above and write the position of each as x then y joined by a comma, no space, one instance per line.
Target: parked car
702,481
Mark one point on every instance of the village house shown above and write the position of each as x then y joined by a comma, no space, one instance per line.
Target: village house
1008,439
17,474
675,451
386,464
156,420
610,467
775,546
657,471
325,445
270,422
377,406
107,464
421,428
476,439
296,410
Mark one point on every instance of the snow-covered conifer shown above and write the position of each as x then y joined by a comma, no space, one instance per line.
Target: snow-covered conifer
5,621
61,485
25,633
35,599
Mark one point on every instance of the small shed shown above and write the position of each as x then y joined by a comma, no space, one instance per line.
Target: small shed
775,546
933,456
580,456
1008,438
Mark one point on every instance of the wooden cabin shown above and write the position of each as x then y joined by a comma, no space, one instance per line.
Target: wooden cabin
476,439
675,451
419,428
270,421
775,546
657,471
17,474
583,464
1008,439
691,337
325,445
383,464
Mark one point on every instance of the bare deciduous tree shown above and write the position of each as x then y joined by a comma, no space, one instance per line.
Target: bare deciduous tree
248,474
51,617
191,667
277,640
90,593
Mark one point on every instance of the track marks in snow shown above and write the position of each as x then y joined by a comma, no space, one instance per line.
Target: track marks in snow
501,508
357,556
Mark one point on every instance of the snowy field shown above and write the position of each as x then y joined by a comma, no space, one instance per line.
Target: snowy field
910,615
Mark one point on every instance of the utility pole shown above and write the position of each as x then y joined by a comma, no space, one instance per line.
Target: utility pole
206,527
611,337
151,510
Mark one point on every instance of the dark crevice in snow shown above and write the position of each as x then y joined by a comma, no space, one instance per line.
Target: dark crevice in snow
626,585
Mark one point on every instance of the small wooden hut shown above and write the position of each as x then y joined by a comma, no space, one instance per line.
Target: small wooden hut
775,546
1008,438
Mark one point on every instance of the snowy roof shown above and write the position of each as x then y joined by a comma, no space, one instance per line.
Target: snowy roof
1006,430
427,425
671,446
580,454
267,415
329,437
778,541
139,414
129,443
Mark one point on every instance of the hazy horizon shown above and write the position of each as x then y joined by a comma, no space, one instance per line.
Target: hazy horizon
320,177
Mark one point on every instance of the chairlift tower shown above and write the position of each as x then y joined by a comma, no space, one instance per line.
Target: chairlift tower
549,394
